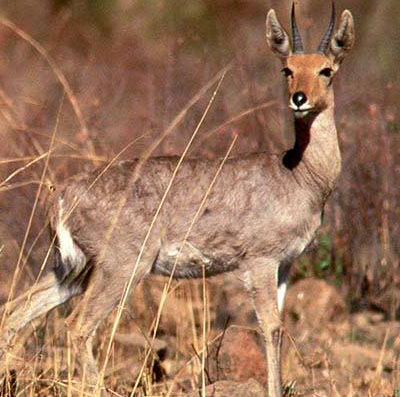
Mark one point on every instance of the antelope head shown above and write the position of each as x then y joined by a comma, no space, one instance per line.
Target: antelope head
309,76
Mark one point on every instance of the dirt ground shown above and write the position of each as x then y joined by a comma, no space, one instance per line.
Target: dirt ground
327,351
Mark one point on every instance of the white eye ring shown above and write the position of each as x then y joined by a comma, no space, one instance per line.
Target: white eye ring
327,72
287,72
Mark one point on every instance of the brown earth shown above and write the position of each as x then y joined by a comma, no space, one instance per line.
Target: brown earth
326,350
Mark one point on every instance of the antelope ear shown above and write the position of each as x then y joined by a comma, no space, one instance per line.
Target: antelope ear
277,38
343,39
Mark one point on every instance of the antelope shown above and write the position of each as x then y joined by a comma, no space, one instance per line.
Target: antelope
262,212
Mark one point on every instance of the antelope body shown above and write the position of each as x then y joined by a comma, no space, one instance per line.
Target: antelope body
260,214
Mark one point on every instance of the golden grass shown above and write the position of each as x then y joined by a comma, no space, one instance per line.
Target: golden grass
187,314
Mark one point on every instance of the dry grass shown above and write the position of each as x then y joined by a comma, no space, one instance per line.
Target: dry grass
121,94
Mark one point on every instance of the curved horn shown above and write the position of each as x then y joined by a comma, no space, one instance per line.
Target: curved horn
323,47
297,43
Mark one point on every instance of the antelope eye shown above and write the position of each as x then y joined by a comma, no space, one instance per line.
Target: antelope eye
327,72
287,72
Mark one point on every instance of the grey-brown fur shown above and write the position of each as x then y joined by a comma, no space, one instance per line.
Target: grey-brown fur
255,206
261,213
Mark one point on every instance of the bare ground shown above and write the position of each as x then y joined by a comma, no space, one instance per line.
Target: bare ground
327,351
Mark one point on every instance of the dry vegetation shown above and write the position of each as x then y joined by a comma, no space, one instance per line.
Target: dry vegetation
112,75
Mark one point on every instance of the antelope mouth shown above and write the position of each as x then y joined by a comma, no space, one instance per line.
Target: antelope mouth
301,111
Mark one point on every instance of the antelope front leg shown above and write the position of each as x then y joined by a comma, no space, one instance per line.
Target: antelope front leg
261,282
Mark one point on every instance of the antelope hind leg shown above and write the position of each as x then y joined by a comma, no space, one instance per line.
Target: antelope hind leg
38,300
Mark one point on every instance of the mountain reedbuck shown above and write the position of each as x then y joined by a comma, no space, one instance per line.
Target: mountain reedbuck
262,211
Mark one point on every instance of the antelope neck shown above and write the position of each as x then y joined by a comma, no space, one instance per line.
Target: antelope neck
315,157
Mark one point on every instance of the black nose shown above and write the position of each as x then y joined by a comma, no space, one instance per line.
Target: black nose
299,98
